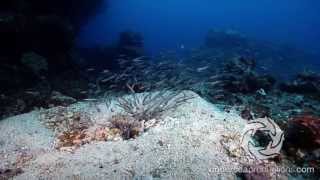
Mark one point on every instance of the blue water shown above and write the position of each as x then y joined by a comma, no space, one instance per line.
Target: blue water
167,24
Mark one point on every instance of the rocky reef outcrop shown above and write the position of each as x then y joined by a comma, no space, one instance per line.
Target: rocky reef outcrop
302,143
307,83
222,45
239,76
37,42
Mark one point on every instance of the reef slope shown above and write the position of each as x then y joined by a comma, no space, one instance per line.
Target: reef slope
186,144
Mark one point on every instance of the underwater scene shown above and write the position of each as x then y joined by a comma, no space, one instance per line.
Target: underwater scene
159,90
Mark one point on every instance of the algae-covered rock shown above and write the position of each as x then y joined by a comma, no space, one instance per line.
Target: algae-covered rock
58,99
307,83
35,62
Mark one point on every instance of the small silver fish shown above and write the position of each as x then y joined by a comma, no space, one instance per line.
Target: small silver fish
90,69
214,83
214,77
92,85
146,71
32,92
90,99
138,59
106,71
264,68
108,79
112,86
122,61
200,69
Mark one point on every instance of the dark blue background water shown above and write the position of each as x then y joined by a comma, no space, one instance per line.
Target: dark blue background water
166,24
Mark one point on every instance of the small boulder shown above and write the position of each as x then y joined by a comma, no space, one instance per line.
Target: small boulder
58,99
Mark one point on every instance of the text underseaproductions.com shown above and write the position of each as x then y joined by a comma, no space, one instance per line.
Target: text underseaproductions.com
299,170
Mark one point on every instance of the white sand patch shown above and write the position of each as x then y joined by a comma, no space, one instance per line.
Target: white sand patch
23,137
185,145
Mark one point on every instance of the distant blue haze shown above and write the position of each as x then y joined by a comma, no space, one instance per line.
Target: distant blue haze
167,24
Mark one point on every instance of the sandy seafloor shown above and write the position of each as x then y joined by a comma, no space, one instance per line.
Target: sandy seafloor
186,144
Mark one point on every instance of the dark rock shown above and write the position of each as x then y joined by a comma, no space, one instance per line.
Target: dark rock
69,83
239,77
303,132
261,111
9,173
46,28
58,99
302,142
37,64
305,83
15,78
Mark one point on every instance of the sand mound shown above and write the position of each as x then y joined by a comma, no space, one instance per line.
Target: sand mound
189,143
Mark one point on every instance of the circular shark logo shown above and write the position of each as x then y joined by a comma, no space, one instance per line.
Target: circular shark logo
270,128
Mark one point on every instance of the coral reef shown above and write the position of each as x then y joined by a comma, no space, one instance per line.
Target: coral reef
35,62
61,119
72,128
218,72
41,68
196,132
144,107
127,125
304,132
144,110
139,112
241,77
58,99
222,45
37,41
119,127
32,99
302,143
71,140
307,83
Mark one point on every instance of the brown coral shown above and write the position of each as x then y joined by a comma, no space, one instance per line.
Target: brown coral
304,132
128,126
70,140
62,119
